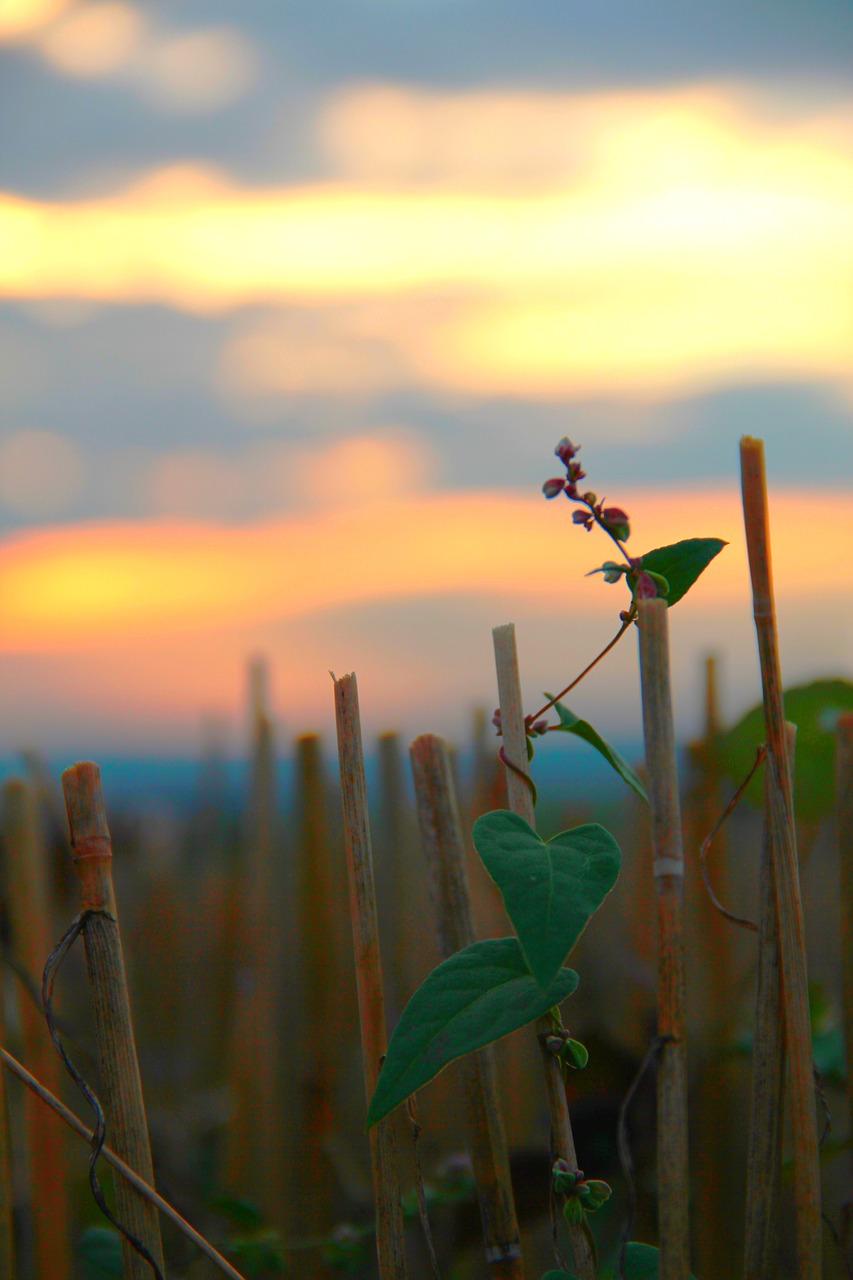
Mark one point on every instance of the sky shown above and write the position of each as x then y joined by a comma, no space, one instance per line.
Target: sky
296,301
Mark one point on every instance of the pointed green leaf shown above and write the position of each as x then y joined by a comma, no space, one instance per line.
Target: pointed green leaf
550,888
570,723
641,1262
681,563
472,998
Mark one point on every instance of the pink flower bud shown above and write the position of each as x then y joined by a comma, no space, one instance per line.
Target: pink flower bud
496,720
552,487
584,518
616,522
565,450
646,588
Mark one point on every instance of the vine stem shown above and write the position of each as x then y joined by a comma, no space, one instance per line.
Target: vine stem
619,634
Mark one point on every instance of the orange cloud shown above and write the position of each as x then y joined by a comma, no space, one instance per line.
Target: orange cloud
94,585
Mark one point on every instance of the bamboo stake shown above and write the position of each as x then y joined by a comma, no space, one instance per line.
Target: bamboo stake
789,910
7,1196
844,805
318,951
764,1154
390,1236
668,868
119,1070
444,848
256,1139
521,802
68,1117
32,929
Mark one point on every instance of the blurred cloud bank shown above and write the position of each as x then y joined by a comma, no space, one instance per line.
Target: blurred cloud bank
294,309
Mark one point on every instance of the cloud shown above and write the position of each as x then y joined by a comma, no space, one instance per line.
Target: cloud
700,240
93,40
94,583
355,471
199,71
41,473
20,18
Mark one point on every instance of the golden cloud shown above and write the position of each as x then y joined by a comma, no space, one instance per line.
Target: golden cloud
700,239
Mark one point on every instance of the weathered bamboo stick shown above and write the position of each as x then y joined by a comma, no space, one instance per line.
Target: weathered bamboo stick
807,1197
7,1196
319,955
390,1236
844,810
119,1070
668,867
32,938
256,1141
521,802
68,1117
764,1153
444,849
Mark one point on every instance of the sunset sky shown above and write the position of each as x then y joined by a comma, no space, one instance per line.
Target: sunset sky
296,300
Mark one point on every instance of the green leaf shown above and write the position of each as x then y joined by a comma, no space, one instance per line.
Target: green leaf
570,723
814,709
641,1262
472,998
681,563
550,888
100,1249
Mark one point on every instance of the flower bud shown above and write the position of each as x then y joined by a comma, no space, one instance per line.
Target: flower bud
594,1194
496,720
574,1054
584,518
554,1044
573,1211
590,497
565,450
646,588
552,487
616,522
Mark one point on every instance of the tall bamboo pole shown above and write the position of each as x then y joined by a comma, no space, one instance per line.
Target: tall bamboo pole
844,828
121,1087
521,802
789,909
444,848
668,867
320,970
29,901
7,1196
390,1236
764,1154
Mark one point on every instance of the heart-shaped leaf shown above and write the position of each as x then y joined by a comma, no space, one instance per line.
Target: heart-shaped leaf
570,723
550,888
641,1262
681,563
472,998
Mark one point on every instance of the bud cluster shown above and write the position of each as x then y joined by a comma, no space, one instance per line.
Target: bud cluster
613,519
570,1052
581,1195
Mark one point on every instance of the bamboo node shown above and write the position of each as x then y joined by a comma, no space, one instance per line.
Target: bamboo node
91,848
668,866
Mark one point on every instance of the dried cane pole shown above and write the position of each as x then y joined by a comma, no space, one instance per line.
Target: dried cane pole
7,1222
119,1070
764,1153
444,848
844,806
521,802
668,868
792,953
32,930
390,1236
320,967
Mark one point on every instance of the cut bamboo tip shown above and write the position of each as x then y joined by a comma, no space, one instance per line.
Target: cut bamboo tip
91,849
